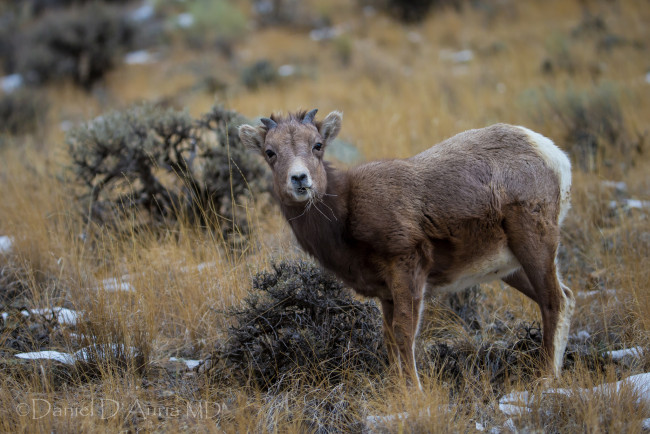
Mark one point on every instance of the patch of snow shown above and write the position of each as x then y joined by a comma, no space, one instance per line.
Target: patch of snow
185,20
518,402
286,70
63,315
585,294
510,425
143,13
66,358
95,351
582,335
619,354
462,56
5,244
191,364
479,426
5,315
513,410
637,204
325,33
384,420
202,266
10,83
515,403
140,57
618,185
113,284
630,204
645,424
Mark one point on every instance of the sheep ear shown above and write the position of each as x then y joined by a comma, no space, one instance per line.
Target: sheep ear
331,126
251,137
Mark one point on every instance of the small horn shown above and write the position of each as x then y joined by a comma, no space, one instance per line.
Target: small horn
269,123
309,117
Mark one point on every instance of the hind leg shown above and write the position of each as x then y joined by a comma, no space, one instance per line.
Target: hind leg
534,242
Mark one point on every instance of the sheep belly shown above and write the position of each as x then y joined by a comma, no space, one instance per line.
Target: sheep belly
483,270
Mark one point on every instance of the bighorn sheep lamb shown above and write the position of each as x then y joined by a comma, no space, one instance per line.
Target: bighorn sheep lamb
483,205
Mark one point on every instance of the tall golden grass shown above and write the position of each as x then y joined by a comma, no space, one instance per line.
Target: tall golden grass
400,95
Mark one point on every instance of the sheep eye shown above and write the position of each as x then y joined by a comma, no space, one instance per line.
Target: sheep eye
270,153
318,146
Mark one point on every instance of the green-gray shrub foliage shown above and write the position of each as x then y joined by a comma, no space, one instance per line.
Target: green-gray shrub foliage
81,43
22,112
160,164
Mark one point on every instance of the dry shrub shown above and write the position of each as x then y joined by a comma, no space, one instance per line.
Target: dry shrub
410,11
22,112
159,165
464,362
594,131
79,43
259,74
290,13
301,320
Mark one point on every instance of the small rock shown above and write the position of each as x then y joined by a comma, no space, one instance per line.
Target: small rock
325,33
462,56
286,70
10,83
5,244
185,20
140,57
143,13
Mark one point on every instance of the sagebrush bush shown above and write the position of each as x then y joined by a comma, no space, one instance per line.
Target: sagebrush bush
592,124
217,23
161,165
291,13
413,10
36,7
79,43
258,74
300,319
22,112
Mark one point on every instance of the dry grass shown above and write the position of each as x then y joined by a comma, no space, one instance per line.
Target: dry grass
400,95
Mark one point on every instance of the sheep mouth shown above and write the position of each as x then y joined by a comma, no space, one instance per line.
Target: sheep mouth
302,194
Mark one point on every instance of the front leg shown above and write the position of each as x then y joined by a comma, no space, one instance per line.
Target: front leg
407,289
387,307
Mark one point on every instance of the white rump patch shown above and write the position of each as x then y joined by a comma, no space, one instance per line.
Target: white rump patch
558,161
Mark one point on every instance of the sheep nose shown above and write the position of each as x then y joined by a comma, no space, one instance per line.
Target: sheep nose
299,179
